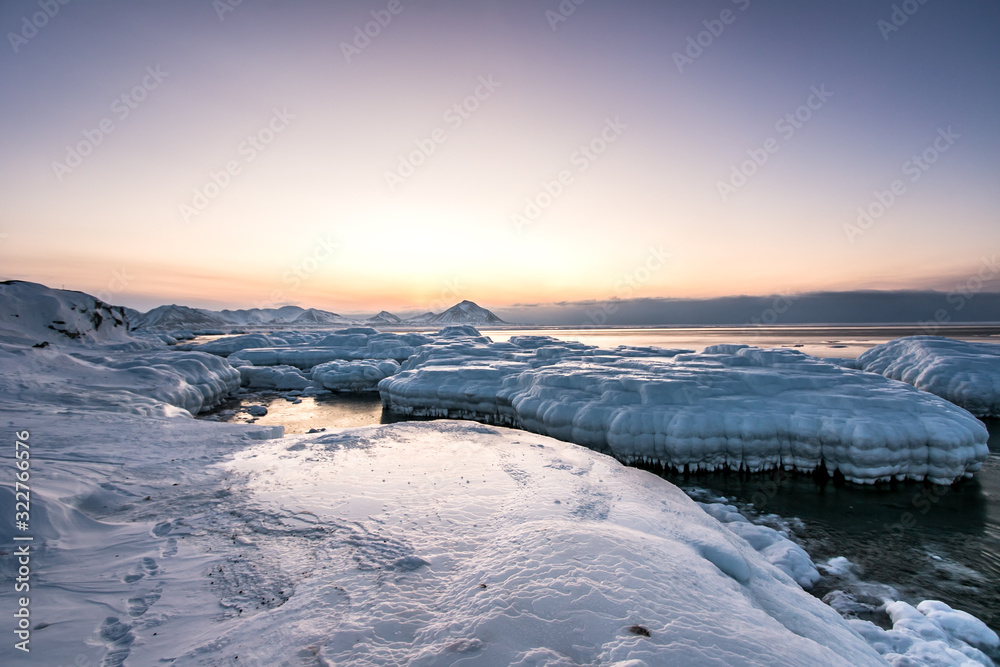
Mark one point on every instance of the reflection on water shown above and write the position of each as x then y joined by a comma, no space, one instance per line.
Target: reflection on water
319,412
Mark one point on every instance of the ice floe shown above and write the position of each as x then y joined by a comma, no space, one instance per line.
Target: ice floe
730,406
273,377
353,344
967,374
361,375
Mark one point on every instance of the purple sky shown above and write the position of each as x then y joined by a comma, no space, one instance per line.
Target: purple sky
502,152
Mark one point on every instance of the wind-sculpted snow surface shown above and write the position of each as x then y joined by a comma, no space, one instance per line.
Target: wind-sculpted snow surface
730,406
453,543
967,374
146,382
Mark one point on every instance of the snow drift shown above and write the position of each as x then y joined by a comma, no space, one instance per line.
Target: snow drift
36,315
70,349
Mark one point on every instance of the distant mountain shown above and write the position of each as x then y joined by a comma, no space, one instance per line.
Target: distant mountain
183,317
283,315
426,318
466,312
180,317
314,316
261,315
385,317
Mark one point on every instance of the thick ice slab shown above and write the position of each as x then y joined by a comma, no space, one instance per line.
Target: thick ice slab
230,344
352,344
273,377
355,376
967,374
729,406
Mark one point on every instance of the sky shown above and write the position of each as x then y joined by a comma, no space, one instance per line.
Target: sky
408,154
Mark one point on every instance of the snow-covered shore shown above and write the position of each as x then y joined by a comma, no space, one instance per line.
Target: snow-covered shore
159,537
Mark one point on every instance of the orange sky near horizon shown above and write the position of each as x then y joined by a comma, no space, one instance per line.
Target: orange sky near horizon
479,151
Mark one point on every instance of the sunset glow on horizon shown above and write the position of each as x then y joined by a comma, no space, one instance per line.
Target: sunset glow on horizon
266,153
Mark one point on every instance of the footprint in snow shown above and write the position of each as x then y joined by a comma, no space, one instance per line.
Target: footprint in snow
138,606
146,566
409,563
163,528
118,637
169,550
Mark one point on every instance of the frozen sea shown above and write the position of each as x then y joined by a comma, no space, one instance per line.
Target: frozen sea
925,542
819,341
